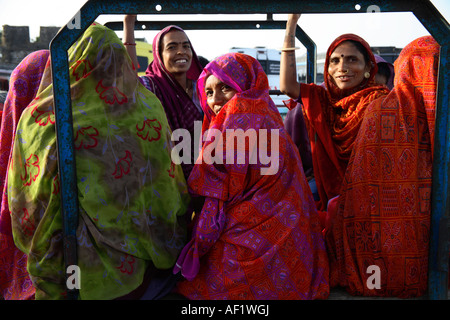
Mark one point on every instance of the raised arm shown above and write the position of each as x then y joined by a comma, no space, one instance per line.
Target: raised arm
288,72
128,38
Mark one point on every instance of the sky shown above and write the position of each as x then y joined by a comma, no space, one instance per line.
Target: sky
383,29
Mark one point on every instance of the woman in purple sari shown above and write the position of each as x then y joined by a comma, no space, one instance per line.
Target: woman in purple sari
257,235
172,77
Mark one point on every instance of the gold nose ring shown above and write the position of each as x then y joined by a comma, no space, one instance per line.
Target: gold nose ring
346,71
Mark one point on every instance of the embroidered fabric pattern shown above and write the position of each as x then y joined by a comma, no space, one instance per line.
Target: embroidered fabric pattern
132,198
383,214
257,236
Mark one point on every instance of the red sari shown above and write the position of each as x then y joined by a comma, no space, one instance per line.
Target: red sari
383,213
333,118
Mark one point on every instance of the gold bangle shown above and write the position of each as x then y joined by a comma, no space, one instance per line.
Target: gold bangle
289,49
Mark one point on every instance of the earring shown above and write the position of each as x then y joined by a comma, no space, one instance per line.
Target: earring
367,75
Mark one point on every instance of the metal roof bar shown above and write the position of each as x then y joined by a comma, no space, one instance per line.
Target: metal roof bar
301,35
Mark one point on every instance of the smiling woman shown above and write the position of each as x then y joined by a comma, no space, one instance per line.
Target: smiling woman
333,111
172,77
177,56
349,65
217,93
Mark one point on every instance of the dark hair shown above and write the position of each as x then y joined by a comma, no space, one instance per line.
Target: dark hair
203,61
384,70
361,49
4,84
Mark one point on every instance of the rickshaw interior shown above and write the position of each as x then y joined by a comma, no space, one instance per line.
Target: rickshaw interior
206,15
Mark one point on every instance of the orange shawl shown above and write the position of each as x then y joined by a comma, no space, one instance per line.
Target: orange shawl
383,212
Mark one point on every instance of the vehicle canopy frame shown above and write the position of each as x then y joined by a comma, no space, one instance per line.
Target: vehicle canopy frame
423,10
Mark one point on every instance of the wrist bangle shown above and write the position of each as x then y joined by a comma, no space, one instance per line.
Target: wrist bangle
129,44
289,49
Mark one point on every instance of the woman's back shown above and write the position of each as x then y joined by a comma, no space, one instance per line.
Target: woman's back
131,196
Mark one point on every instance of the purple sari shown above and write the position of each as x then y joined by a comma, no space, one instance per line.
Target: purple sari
180,109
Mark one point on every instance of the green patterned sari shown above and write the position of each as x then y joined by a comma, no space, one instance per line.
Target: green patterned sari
132,197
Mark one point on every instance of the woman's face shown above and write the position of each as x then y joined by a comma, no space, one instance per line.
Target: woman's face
176,52
347,66
217,93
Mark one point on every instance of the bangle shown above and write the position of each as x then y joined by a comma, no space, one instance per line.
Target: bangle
289,49
129,44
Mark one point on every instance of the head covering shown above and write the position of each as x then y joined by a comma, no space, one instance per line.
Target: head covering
15,284
333,117
257,235
383,213
336,94
247,84
180,109
390,80
131,195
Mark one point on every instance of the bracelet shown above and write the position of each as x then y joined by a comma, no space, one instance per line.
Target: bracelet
129,44
289,49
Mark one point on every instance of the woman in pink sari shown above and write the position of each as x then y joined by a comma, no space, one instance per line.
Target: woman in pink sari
15,282
257,235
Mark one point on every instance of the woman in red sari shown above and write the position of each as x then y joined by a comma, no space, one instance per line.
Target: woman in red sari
333,113
383,213
257,235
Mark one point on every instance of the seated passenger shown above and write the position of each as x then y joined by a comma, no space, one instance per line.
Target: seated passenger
172,77
332,114
383,214
15,283
132,198
257,235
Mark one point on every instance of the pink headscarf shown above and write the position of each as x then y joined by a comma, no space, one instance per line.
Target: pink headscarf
234,252
24,84
180,109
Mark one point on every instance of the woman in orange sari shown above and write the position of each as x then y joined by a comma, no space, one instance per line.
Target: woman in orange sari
333,113
383,214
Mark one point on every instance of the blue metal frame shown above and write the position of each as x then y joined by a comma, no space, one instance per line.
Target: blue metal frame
424,10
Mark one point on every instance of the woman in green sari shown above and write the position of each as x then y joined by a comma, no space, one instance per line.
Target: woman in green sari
132,197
